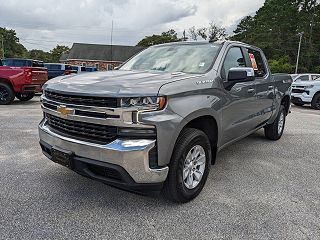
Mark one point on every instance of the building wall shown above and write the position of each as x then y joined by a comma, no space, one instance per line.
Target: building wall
103,65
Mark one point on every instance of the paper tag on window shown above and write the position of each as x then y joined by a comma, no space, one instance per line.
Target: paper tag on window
253,62
201,64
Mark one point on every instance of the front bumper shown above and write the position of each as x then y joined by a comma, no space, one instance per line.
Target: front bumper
301,98
130,158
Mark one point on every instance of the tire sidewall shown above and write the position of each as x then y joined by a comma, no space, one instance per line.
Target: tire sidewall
183,190
10,92
282,110
314,101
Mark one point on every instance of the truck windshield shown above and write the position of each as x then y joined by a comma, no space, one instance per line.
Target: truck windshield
186,58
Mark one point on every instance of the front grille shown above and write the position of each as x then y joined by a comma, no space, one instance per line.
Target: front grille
82,131
298,90
82,100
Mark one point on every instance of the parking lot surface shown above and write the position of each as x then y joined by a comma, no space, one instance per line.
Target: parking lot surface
258,189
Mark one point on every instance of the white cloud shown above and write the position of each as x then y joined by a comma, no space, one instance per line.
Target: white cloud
43,24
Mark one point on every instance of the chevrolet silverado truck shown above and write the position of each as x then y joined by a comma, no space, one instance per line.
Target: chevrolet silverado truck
306,90
20,80
158,121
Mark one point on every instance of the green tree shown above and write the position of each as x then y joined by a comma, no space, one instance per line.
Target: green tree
12,47
281,65
57,51
275,28
40,55
211,33
165,37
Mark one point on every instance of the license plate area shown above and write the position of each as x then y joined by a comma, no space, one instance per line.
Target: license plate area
62,157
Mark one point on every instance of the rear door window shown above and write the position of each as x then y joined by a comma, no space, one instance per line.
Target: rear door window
303,78
234,58
257,63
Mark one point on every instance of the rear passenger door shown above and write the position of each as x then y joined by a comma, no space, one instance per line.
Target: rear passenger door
264,86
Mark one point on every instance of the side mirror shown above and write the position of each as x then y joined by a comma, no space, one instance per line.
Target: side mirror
240,74
116,68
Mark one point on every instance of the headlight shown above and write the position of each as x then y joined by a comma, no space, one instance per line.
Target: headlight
145,103
309,87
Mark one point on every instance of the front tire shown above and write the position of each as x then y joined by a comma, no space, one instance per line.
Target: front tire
6,94
24,96
315,104
189,166
274,131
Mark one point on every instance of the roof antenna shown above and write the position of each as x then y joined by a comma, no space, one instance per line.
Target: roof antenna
111,44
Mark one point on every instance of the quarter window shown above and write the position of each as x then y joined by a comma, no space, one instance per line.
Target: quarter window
257,63
234,58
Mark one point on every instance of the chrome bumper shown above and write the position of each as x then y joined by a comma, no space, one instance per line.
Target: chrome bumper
131,155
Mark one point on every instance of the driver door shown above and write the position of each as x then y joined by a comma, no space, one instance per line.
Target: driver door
238,112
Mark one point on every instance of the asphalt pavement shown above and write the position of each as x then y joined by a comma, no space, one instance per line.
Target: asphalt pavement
258,189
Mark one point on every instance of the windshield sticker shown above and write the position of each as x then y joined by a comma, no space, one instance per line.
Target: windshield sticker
253,62
202,64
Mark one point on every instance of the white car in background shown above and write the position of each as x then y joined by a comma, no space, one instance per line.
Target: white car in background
306,90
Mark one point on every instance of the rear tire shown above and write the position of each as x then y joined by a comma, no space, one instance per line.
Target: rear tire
25,96
6,94
189,166
315,104
274,131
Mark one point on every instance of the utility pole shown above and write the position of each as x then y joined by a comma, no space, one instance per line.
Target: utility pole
299,48
2,46
111,43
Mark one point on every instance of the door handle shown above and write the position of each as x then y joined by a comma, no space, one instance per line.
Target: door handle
251,90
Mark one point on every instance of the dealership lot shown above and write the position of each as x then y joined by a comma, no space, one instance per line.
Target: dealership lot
257,189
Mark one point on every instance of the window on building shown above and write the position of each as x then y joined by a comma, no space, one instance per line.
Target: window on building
84,64
97,65
109,67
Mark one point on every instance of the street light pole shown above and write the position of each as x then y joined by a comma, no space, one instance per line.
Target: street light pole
297,65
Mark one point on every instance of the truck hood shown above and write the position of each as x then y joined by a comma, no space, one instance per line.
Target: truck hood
114,83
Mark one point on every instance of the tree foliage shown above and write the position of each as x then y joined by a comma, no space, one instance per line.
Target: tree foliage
165,37
57,51
40,55
212,33
12,47
275,28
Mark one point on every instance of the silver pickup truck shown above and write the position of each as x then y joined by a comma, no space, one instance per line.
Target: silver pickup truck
158,122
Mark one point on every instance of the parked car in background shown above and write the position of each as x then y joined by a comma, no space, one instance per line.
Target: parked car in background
79,69
305,77
158,122
306,90
58,69
21,78
91,69
20,62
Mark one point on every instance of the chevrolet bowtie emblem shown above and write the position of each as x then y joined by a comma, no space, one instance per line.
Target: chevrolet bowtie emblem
63,110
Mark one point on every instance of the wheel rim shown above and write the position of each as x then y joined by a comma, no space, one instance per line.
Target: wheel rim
194,167
281,123
4,94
